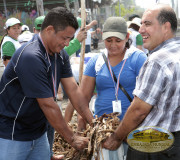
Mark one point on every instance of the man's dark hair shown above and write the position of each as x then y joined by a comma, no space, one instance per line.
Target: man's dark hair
131,17
134,26
168,15
60,18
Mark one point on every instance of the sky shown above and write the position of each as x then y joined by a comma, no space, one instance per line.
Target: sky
149,3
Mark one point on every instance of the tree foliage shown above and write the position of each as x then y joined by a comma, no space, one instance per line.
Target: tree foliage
124,11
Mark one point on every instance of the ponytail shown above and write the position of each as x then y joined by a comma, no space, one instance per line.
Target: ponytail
128,43
2,41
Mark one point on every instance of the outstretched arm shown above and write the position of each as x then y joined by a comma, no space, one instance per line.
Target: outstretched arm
91,24
135,114
75,45
54,116
87,87
77,98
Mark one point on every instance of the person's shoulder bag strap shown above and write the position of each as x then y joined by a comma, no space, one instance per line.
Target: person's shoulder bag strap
120,86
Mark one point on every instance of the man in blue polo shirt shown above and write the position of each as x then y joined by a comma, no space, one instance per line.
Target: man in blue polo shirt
28,90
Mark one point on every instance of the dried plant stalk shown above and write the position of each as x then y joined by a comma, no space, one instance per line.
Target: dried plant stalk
98,131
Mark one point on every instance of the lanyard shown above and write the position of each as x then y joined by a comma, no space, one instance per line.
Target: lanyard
54,77
116,87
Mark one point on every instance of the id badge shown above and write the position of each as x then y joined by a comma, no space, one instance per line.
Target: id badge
117,106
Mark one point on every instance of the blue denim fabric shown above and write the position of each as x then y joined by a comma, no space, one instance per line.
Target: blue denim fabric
50,135
25,150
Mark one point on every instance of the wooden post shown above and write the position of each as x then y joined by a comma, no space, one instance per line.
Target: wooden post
40,8
83,24
5,9
119,8
67,4
76,7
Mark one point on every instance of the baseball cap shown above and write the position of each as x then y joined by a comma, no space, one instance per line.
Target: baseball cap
11,22
136,21
38,22
115,27
24,28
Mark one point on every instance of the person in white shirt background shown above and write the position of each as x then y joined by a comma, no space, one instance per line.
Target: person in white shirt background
9,43
25,35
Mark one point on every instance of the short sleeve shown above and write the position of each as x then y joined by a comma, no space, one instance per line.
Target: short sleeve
90,67
8,49
150,83
74,45
65,68
141,58
139,40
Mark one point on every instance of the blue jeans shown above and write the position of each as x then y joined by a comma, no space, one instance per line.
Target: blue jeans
25,150
50,135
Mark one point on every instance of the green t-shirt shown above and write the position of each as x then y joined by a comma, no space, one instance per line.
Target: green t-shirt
139,40
8,49
74,45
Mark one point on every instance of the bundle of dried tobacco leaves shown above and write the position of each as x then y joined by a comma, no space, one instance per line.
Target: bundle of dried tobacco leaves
101,128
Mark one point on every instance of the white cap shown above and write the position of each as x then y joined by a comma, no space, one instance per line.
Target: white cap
136,21
11,22
128,23
25,37
24,28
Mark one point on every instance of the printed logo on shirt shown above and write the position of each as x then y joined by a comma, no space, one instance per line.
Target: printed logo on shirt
150,139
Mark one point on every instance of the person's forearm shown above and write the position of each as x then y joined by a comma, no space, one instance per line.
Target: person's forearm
77,98
55,118
81,124
85,113
133,117
129,123
91,24
65,131
83,109
81,104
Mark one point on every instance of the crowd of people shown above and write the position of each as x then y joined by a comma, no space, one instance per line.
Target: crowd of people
136,74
